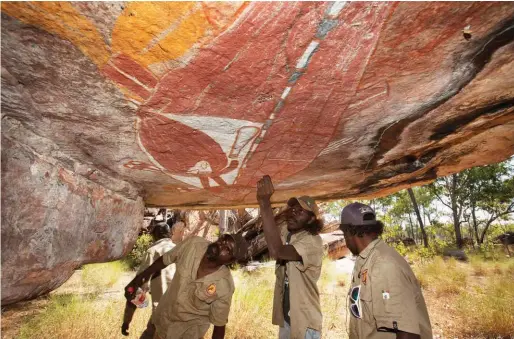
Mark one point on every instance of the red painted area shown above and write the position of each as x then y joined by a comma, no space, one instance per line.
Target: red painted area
125,81
178,147
314,106
242,75
138,72
253,56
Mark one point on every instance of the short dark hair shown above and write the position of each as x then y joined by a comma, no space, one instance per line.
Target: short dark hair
315,226
360,230
161,230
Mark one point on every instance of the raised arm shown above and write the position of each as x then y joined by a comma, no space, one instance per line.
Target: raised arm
276,248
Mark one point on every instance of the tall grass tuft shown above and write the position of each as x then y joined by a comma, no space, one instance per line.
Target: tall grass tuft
444,277
71,316
252,303
489,311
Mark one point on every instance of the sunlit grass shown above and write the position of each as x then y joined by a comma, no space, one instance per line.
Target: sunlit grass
444,277
88,314
100,276
488,310
71,316
480,294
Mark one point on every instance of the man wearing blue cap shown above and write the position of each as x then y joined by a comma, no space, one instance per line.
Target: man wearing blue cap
385,298
299,252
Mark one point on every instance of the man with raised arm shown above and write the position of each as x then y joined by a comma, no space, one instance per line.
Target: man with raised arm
299,251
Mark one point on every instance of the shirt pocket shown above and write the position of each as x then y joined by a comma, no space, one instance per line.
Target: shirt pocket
202,298
388,300
366,301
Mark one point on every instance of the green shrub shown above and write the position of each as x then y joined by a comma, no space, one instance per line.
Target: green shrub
401,248
135,256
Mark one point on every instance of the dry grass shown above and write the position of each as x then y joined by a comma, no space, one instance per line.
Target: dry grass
470,300
100,276
488,310
71,316
444,277
94,316
94,310
465,300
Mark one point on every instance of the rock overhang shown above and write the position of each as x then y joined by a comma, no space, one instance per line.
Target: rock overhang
189,104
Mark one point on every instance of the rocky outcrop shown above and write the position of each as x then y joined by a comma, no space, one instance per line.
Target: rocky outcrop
330,99
188,104
54,220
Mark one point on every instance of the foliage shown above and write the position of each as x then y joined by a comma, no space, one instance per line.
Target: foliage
135,256
478,196
490,193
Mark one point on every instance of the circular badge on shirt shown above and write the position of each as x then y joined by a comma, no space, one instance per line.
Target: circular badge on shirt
211,289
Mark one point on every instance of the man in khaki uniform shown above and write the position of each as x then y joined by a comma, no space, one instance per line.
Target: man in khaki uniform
161,233
385,299
201,291
299,252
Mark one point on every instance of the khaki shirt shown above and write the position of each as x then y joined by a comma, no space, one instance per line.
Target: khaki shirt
305,308
158,285
190,305
390,295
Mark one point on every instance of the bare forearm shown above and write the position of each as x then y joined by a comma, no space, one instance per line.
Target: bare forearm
144,276
270,228
218,332
407,335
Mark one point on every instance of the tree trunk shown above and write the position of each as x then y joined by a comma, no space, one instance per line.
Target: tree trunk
430,222
420,220
482,237
471,234
411,228
456,216
475,224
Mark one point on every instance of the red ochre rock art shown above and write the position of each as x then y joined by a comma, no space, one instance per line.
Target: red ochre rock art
188,104
223,93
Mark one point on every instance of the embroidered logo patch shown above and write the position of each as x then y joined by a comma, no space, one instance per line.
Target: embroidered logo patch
211,289
364,276
365,209
385,295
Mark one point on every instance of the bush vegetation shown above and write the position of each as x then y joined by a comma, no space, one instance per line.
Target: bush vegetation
134,258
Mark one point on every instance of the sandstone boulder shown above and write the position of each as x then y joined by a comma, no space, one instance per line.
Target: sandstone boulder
187,104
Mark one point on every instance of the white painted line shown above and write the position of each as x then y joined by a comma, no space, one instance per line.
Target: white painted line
134,79
285,93
306,55
336,8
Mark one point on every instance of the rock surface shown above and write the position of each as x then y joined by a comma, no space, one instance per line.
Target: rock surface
330,99
54,220
188,104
